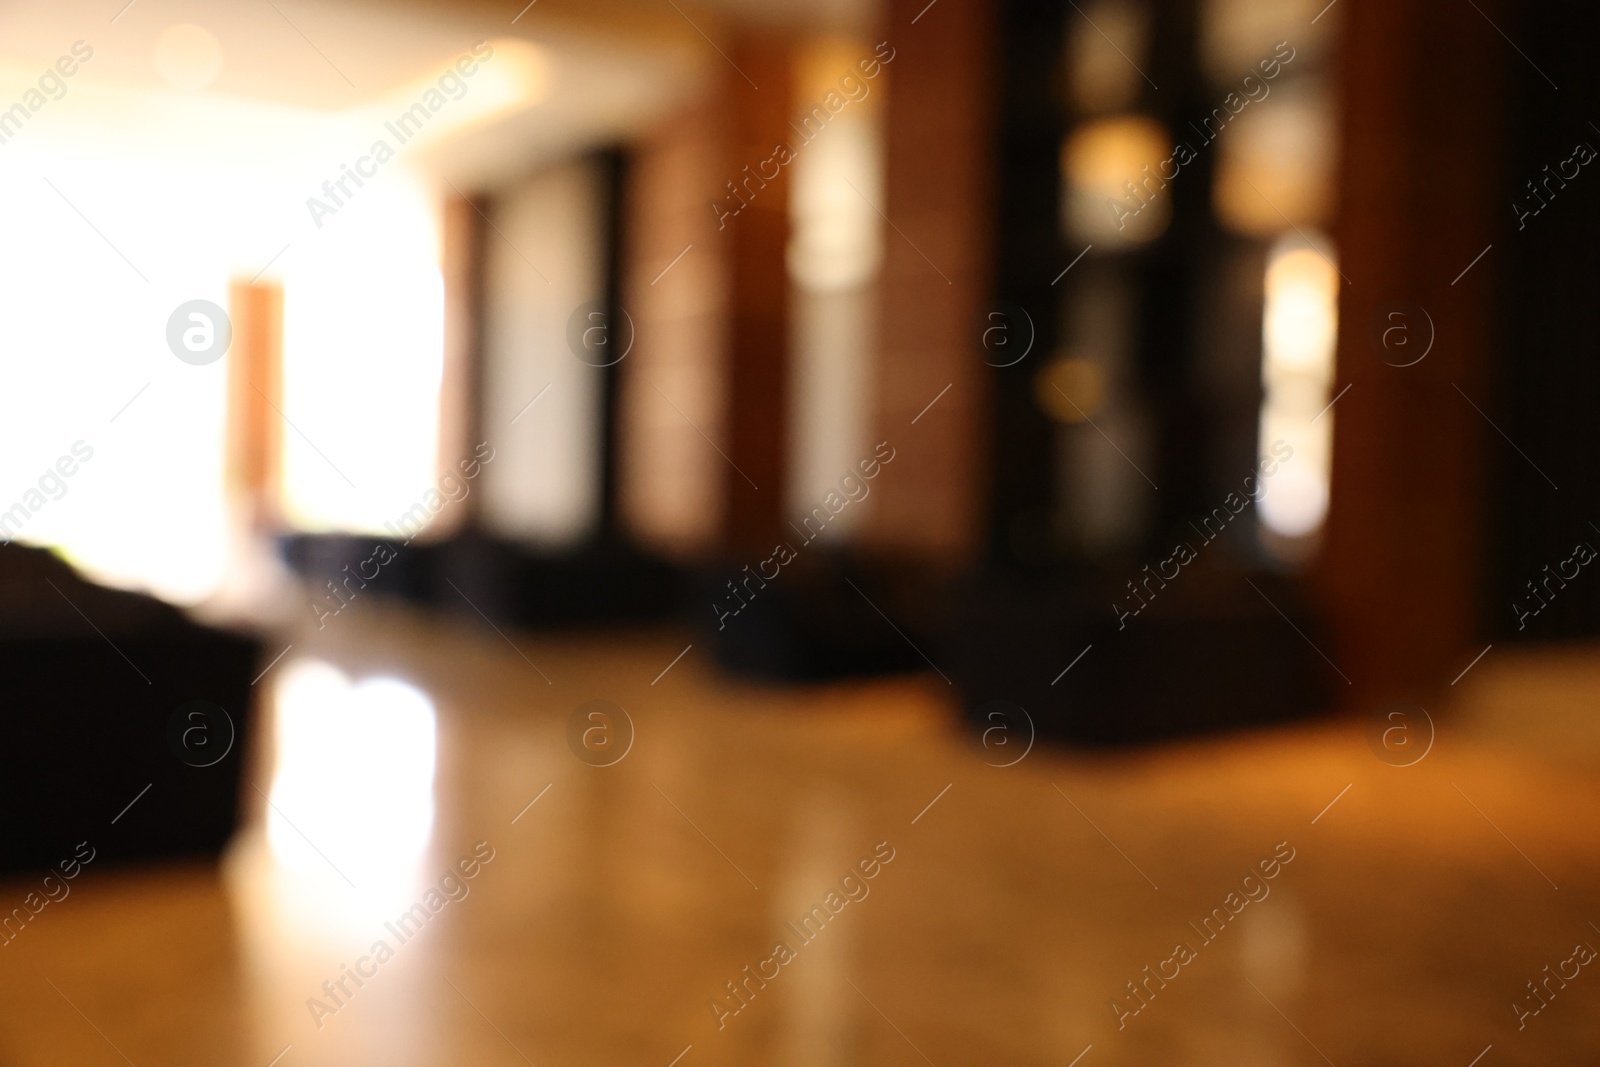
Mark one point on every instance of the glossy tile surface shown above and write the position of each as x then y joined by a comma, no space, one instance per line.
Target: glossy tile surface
1018,904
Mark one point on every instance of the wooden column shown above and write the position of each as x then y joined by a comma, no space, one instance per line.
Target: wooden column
461,386
255,398
755,242
1403,555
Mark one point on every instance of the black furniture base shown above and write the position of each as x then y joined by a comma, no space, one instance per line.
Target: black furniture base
511,583
823,615
1207,653
96,748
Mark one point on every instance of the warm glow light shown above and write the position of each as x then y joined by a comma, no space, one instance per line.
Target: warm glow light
1296,502
1300,320
352,790
1274,162
188,57
837,241
1070,389
1299,331
515,75
1108,197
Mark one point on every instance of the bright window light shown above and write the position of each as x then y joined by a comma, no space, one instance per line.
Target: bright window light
1299,332
128,201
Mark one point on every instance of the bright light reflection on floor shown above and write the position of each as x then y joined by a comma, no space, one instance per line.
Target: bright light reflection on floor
352,790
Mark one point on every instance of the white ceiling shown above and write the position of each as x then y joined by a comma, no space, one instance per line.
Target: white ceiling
614,67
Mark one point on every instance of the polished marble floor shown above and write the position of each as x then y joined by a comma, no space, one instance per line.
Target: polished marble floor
428,785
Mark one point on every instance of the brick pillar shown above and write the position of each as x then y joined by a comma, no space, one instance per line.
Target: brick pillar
703,448
673,385
939,132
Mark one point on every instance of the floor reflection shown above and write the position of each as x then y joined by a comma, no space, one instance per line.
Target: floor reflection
352,779
534,907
